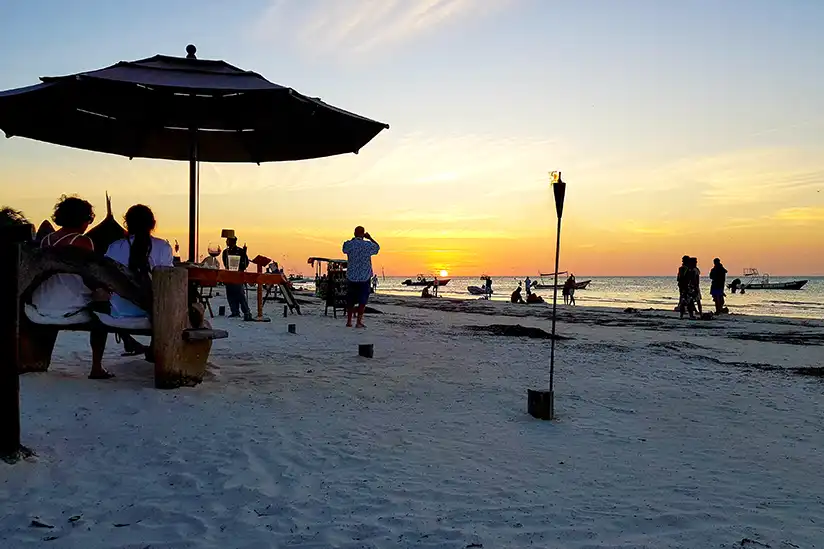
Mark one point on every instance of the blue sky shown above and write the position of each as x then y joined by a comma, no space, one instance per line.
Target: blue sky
666,116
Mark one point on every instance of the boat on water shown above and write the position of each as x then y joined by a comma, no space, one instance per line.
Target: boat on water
423,281
485,290
300,279
753,280
476,290
541,285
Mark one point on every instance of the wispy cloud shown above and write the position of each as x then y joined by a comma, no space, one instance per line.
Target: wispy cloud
360,26
802,216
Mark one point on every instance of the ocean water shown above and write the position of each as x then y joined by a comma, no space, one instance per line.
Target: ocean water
644,293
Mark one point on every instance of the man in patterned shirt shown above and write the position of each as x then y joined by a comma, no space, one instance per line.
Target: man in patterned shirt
359,252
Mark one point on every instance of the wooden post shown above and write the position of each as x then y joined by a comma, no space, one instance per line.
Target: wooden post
261,261
260,294
177,362
9,350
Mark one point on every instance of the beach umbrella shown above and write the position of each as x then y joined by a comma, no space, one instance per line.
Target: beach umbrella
182,108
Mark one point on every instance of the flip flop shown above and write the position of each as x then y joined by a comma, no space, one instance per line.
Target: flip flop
102,375
135,352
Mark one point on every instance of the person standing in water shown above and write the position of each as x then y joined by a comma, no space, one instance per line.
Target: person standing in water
359,252
718,276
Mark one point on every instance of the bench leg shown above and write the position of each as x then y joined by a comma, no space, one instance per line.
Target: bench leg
178,363
36,346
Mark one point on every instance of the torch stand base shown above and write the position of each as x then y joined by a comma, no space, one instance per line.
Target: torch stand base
541,404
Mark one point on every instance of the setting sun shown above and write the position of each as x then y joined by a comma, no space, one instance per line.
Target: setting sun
444,273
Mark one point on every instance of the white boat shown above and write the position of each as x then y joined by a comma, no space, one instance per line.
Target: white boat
753,280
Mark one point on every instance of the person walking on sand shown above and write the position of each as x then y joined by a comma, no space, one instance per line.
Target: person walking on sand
359,252
718,276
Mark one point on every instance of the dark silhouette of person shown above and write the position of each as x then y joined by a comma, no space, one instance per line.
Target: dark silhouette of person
235,294
516,295
718,278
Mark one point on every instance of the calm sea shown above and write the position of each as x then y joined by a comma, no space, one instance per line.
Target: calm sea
646,292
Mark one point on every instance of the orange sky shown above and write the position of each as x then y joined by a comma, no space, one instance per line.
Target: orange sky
497,217
680,129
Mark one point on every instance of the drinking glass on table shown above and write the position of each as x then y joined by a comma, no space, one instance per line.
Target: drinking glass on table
212,262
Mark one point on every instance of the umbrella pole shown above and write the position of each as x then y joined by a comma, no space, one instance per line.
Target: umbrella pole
193,197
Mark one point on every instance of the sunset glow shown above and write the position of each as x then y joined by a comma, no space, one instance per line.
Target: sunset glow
671,141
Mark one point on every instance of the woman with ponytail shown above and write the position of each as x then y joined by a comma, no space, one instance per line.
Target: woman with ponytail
140,252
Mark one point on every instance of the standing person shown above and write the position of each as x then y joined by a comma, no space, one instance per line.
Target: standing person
359,252
528,284
488,287
571,281
235,294
694,279
374,283
718,276
683,287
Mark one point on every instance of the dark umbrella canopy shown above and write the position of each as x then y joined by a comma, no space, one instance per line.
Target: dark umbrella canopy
179,108
148,109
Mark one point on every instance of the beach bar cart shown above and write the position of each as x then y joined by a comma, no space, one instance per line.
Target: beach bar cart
330,283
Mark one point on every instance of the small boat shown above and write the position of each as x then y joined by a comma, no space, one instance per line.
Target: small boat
423,281
477,290
485,290
753,280
541,285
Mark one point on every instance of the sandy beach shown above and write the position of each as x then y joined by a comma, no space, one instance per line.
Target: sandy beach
670,434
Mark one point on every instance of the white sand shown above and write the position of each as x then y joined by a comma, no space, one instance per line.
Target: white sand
666,438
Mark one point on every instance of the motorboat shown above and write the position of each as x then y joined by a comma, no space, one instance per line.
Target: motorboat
423,281
753,280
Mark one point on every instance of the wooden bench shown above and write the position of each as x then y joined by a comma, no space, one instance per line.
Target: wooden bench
181,338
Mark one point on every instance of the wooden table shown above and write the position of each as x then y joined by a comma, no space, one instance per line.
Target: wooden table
215,276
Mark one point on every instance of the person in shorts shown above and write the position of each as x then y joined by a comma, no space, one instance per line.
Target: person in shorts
718,276
359,252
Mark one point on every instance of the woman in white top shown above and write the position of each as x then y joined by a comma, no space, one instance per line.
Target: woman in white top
141,252
64,298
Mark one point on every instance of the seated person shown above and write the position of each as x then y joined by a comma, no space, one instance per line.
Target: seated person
426,293
516,296
534,298
141,252
64,299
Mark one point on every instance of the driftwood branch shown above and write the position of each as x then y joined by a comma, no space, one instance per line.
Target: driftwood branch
38,264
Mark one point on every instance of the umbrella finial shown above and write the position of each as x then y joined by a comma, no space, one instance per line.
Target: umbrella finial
190,51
